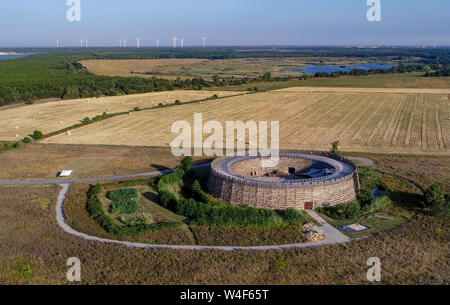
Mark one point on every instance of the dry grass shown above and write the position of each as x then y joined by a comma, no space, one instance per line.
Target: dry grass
30,239
367,122
18,122
43,161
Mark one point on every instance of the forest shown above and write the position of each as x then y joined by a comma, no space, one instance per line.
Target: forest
52,73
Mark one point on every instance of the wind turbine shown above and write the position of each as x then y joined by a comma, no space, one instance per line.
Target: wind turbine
120,43
81,43
87,43
138,40
182,42
57,43
174,42
124,43
204,41
157,43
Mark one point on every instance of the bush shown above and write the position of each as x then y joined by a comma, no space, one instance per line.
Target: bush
186,164
26,140
434,195
87,120
348,210
293,216
441,209
335,148
126,206
140,219
16,145
177,102
377,204
368,181
37,135
122,194
136,109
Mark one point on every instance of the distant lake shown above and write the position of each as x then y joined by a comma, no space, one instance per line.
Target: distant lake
313,69
2,57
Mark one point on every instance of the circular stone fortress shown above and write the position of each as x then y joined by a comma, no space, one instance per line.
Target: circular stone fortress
300,180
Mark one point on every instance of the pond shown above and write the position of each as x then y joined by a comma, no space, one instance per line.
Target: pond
313,69
10,56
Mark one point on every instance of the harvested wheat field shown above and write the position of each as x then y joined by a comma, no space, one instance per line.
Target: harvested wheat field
370,122
18,122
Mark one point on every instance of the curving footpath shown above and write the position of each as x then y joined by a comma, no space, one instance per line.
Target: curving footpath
333,236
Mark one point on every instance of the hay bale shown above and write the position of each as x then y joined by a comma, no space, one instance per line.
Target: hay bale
17,127
60,122
68,133
16,135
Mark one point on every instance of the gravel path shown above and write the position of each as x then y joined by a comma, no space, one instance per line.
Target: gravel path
332,235
362,162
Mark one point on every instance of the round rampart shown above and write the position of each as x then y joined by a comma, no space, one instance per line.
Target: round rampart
241,180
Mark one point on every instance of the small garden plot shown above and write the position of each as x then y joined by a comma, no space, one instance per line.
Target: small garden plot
124,201
126,206
123,194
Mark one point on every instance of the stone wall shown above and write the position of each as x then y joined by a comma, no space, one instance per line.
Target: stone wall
269,195
245,168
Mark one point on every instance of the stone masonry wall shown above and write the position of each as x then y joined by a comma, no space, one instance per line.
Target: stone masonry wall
281,196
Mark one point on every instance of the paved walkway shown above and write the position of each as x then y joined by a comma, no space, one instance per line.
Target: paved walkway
332,234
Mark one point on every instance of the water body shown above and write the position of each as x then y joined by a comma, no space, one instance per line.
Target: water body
313,69
10,56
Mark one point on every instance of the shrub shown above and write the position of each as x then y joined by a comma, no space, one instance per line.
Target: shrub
140,219
441,209
368,181
348,210
122,194
126,206
16,145
177,102
26,140
335,148
293,216
160,105
186,164
37,135
434,195
198,194
86,120
137,109
377,204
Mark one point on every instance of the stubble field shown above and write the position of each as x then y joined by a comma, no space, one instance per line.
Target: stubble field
371,121
18,122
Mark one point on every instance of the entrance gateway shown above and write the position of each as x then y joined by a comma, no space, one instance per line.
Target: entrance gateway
309,205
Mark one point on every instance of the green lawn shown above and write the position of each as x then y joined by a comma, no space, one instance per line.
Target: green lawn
376,224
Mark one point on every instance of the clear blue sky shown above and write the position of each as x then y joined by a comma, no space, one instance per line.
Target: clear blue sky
226,22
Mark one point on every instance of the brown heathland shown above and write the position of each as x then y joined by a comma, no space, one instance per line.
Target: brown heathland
29,257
